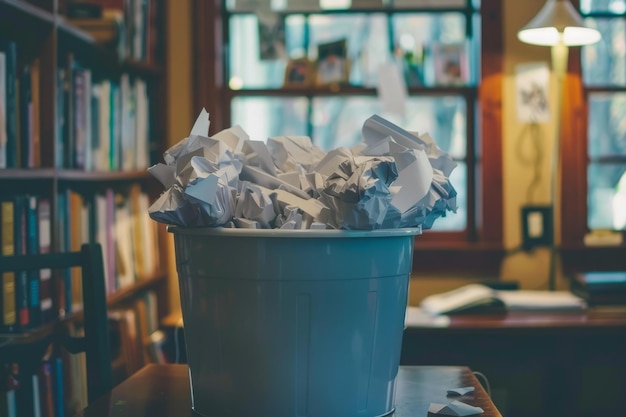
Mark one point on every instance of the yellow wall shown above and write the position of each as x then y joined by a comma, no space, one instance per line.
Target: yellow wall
180,113
530,269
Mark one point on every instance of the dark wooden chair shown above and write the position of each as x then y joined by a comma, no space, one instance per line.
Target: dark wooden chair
30,348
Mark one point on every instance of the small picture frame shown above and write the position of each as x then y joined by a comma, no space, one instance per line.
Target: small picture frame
299,73
333,66
450,64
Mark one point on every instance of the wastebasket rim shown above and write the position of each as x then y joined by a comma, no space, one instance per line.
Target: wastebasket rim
290,233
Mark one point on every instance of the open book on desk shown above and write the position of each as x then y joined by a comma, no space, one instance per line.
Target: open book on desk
478,298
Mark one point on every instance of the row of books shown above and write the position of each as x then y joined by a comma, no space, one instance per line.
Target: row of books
118,220
102,124
128,25
19,109
25,296
56,385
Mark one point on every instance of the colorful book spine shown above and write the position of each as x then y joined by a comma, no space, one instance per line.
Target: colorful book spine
32,247
8,323
25,122
20,238
3,108
11,145
45,275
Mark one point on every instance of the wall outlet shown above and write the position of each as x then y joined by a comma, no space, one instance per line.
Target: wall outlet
537,226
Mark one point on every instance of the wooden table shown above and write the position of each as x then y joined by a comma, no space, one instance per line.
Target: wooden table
539,364
163,391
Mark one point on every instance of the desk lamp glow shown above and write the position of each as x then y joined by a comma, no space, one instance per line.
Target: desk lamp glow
559,26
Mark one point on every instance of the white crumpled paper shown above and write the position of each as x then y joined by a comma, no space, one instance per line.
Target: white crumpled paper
393,179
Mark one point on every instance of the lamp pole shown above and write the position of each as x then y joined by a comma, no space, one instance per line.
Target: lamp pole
559,52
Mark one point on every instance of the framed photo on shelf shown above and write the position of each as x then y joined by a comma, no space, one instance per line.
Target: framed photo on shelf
299,73
333,66
450,64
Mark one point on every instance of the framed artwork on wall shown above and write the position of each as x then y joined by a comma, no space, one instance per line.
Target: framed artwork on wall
333,66
299,73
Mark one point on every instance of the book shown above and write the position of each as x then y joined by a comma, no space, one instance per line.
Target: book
24,120
8,387
3,107
479,298
10,145
79,128
20,239
76,205
46,403
32,247
600,287
34,116
44,246
8,317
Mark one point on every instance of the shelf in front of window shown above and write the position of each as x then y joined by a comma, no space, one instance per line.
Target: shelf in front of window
344,89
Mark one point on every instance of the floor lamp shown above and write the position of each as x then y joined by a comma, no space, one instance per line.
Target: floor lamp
559,26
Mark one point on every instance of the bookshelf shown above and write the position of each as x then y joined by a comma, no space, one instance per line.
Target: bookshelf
80,123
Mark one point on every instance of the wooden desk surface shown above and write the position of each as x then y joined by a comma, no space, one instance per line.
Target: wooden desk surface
590,321
539,364
163,391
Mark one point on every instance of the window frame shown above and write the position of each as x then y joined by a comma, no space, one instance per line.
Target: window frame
477,250
576,256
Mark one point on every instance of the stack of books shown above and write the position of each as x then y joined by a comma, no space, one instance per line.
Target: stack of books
600,288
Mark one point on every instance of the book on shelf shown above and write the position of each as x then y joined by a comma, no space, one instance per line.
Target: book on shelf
123,242
74,370
62,278
34,142
82,104
106,30
9,138
20,238
78,234
44,246
8,388
479,298
133,325
28,151
3,106
8,319
59,119
32,247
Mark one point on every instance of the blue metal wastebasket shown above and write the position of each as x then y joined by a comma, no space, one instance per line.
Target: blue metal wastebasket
293,323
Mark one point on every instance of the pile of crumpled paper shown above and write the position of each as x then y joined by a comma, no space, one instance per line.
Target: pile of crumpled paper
393,179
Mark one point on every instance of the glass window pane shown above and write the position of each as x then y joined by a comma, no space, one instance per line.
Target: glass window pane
604,63
367,42
607,124
247,68
262,117
424,43
456,221
607,196
337,121
613,6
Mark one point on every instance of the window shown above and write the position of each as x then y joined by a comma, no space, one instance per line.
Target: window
594,147
441,52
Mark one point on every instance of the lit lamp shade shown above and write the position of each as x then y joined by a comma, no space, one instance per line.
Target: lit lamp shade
557,22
